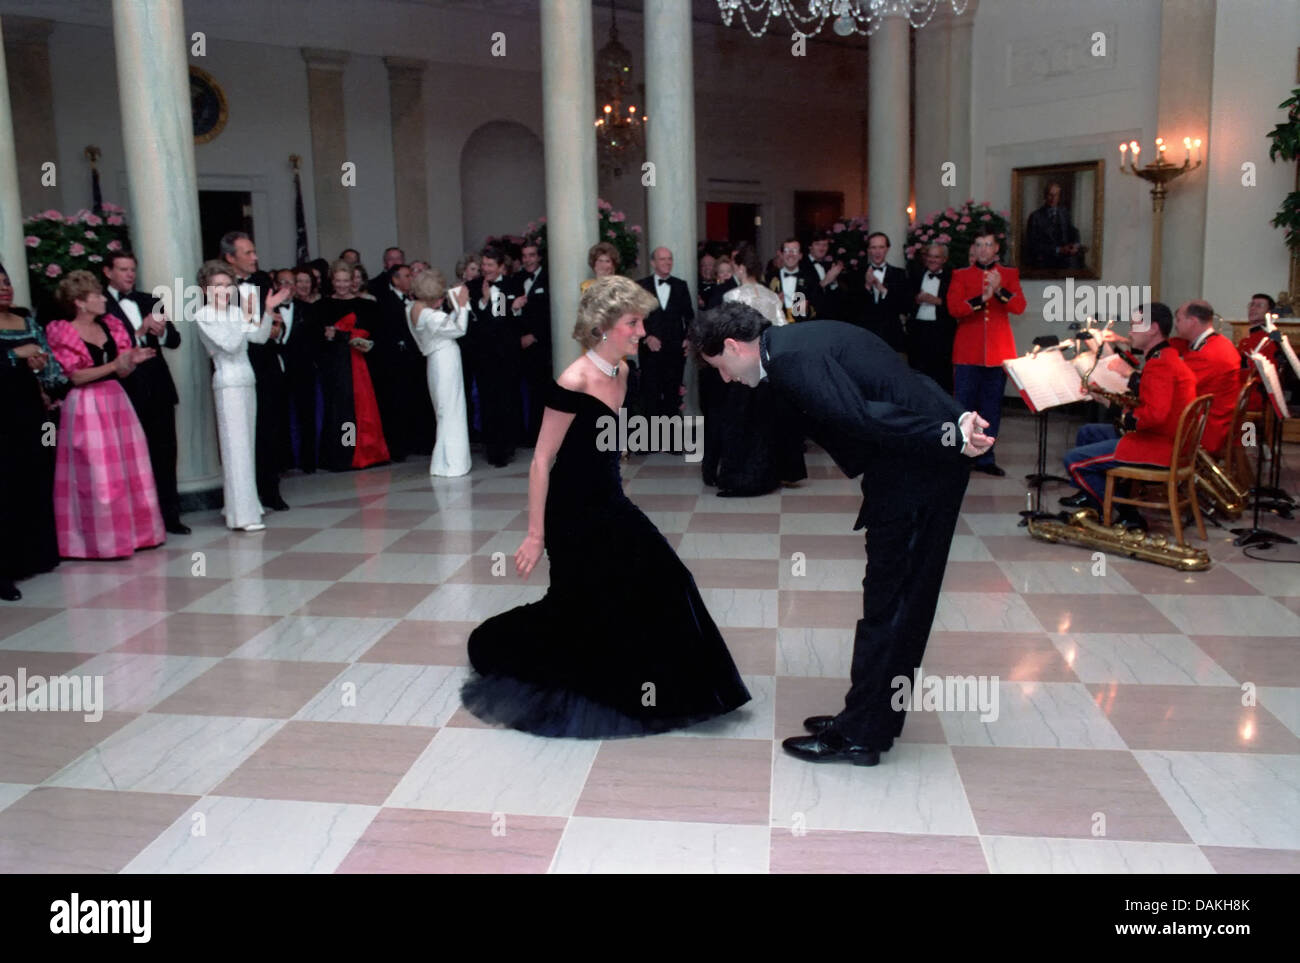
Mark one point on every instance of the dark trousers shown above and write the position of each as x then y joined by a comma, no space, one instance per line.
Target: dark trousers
158,420
271,442
900,593
537,375
1091,457
661,378
713,393
929,351
303,416
980,389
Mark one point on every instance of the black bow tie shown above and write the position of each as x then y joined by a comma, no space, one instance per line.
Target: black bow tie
661,281
930,274
877,267
789,274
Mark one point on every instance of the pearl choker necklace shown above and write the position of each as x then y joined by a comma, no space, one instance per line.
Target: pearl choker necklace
609,369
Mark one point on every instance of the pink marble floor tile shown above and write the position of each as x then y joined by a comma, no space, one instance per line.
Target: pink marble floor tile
309,565
15,618
735,522
339,762
1261,659
386,518
484,570
489,501
739,573
803,504
825,546
1150,579
1232,859
1193,718
1011,656
373,599
1129,614
824,851
1064,792
419,642
649,502
752,649
39,663
417,841
440,542
682,780
82,831
278,536
197,633
1025,548
975,577
818,610
261,688
156,593
36,745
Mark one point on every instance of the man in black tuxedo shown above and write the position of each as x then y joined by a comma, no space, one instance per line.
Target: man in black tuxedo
661,356
271,442
493,343
797,283
393,256
832,301
530,305
886,295
398,370
299,349
150,386
912,445
930,329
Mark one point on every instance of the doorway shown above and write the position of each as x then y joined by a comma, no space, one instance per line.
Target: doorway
816,211
730,223
221,212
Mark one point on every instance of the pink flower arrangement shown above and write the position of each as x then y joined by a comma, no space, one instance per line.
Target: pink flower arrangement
115,220
95,258
53,270
955,227
32,240
92,220
635,228
618,217
115,245
76,250
50,215
112,208
58,244
90,235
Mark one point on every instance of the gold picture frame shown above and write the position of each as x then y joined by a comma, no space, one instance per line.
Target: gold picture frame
208,106
1082,195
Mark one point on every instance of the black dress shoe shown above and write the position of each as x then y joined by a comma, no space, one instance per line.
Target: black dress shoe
178,528
277,505
818,724
993,470
1078,500
1131,519
830,746
9,591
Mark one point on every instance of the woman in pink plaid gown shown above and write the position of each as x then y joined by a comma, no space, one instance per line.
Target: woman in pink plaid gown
105,503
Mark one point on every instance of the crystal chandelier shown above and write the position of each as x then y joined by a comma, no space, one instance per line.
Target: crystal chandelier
620,124
850,16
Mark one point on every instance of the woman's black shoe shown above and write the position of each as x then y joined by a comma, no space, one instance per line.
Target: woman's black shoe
9,591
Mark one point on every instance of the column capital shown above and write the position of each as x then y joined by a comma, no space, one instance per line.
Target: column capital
318,58
27,30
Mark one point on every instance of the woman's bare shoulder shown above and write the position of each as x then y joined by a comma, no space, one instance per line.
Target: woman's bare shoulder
573,377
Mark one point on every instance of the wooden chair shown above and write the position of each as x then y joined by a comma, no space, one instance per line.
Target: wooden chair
1235,461
1180,474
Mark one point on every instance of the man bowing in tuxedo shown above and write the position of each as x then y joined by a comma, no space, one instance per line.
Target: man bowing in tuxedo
912,445
661,355
150,386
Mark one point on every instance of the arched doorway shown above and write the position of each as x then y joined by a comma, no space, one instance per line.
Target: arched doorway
502,181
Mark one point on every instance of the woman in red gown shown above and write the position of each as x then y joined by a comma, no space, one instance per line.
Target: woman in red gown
352,435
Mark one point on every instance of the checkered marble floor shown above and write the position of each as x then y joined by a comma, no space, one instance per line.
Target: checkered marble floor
287,702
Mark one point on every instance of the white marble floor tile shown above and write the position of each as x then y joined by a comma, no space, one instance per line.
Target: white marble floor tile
968,548
592,845
1269,579
817,523
1069,578
416,500
308,517
82,630
395,695
250,836
715,545
272,596
1230,799
68,589
134,681
1139,659
407,567
1037,855
1227,615
474,603
315,638
1283,703
1056,715
474,520
497,770
11,792
732,608
363,540
756,719
984,612
709,502
821,653
669,522
217,563
824,574
188,755
915,789
1002,523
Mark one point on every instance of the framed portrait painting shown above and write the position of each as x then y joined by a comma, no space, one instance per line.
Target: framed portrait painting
1056,219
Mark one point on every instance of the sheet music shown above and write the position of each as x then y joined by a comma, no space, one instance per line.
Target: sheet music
1045,381
1291,355
1272,384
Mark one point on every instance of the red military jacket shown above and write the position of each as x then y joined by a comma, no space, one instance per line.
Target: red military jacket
1257,340
984,330
1167,387
1217,366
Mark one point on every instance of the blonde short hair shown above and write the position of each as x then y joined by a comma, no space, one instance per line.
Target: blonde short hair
429,286
211,269
604,247
77,286
604,302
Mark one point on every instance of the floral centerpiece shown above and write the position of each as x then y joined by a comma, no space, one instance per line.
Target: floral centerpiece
957,228
849,243
59,243
614,228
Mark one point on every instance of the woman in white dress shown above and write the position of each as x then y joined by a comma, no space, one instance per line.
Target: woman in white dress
437,317
759,446
226,331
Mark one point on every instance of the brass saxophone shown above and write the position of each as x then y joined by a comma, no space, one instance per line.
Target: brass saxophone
1223,493
1081,527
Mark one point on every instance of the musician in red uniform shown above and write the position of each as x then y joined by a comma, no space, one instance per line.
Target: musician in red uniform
981,299
1258,339
1167,386
1217,366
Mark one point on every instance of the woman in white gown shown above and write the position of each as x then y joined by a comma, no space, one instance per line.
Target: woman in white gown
226,331
437,317
759,444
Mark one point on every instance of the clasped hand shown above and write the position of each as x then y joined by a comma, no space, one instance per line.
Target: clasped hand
972,426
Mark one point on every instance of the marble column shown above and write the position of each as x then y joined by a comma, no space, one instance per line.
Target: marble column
410,164
31,97
943,97
889,138
670,144
153,83
569,143
13,254
329,149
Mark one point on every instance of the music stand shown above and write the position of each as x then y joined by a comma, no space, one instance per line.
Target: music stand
1275,409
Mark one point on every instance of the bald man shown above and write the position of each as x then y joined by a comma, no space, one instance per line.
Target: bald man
662,357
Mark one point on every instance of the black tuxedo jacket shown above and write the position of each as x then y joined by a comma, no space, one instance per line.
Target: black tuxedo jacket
874,415
809,284
394,338
379,285
151,382
669,325
491,338
303,344
883,315
265,358
717,292
535,319
941,314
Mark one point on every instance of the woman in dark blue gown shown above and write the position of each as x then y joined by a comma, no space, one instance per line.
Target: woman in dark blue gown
622,644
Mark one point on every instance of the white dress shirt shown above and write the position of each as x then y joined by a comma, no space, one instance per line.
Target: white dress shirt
789,286
929,285
663,289
879,272
129,308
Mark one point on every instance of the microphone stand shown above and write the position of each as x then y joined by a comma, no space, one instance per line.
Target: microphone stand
1256,535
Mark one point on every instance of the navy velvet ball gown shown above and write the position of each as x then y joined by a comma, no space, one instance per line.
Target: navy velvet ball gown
622,644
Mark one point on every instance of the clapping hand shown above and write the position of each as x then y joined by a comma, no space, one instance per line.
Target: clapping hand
462,296
518,303
278,297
